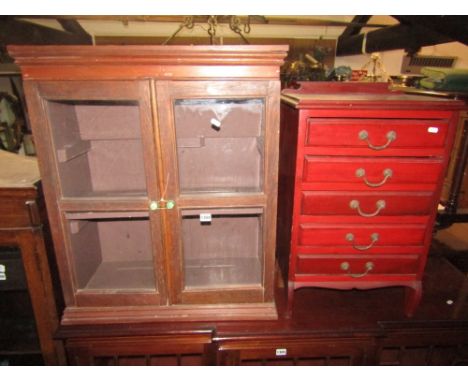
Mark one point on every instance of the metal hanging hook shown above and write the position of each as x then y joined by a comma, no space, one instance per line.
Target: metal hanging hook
212,25
234,24
187,23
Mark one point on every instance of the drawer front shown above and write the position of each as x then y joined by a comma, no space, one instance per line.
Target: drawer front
14,214
356,267
367,204
363,237
376,134
371,173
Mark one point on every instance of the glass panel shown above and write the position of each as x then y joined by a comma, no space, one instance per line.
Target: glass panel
112,252
98,147
220,145
222,248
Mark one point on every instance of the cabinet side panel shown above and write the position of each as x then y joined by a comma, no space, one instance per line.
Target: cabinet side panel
43,141
86,249
286,181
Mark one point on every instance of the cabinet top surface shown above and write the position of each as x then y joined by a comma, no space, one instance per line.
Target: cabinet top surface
17,171
63,50
143,61
311,95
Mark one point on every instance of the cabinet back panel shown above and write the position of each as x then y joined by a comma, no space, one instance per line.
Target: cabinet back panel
86,251
126,239
108,120
231,236
98,147
221,164
225,251
117,166
219,144
237,118
112,254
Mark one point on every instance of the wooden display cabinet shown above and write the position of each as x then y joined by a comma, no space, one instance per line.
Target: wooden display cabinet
360,180
160,174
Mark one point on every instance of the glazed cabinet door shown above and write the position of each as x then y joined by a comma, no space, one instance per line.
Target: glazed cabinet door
95,142
220,156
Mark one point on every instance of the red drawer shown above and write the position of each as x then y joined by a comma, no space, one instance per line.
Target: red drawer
366,204
355,266
365,237
370,173
376,134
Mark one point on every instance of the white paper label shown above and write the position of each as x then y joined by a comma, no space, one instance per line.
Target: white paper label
433,130
215,122
281,352
2,272
205,217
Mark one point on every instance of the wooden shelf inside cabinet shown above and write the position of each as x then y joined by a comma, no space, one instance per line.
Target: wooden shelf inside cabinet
160,176
368,165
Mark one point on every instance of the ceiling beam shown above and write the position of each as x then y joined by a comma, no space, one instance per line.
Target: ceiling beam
73,27
17,32
455,27
410,38
14,31
356,25
254,19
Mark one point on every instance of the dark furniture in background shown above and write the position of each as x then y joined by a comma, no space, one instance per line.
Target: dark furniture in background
29,314
454,198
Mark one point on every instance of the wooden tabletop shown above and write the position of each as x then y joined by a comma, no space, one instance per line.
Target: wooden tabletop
17,171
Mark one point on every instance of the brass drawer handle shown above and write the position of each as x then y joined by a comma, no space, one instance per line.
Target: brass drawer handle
161,205
346,267
364,136
380,204
374,238
387,173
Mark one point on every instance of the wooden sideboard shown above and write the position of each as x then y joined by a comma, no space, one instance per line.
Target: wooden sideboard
327,327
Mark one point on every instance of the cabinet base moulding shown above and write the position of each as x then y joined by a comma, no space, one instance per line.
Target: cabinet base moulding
83,316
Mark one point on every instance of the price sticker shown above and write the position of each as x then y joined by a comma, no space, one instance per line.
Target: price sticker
281,352
205,218
3,276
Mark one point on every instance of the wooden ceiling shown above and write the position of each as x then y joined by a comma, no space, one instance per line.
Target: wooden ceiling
408,32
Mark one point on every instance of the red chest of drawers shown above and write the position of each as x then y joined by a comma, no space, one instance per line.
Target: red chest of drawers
361,172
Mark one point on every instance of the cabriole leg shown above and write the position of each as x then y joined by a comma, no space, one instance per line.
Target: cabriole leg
412,299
